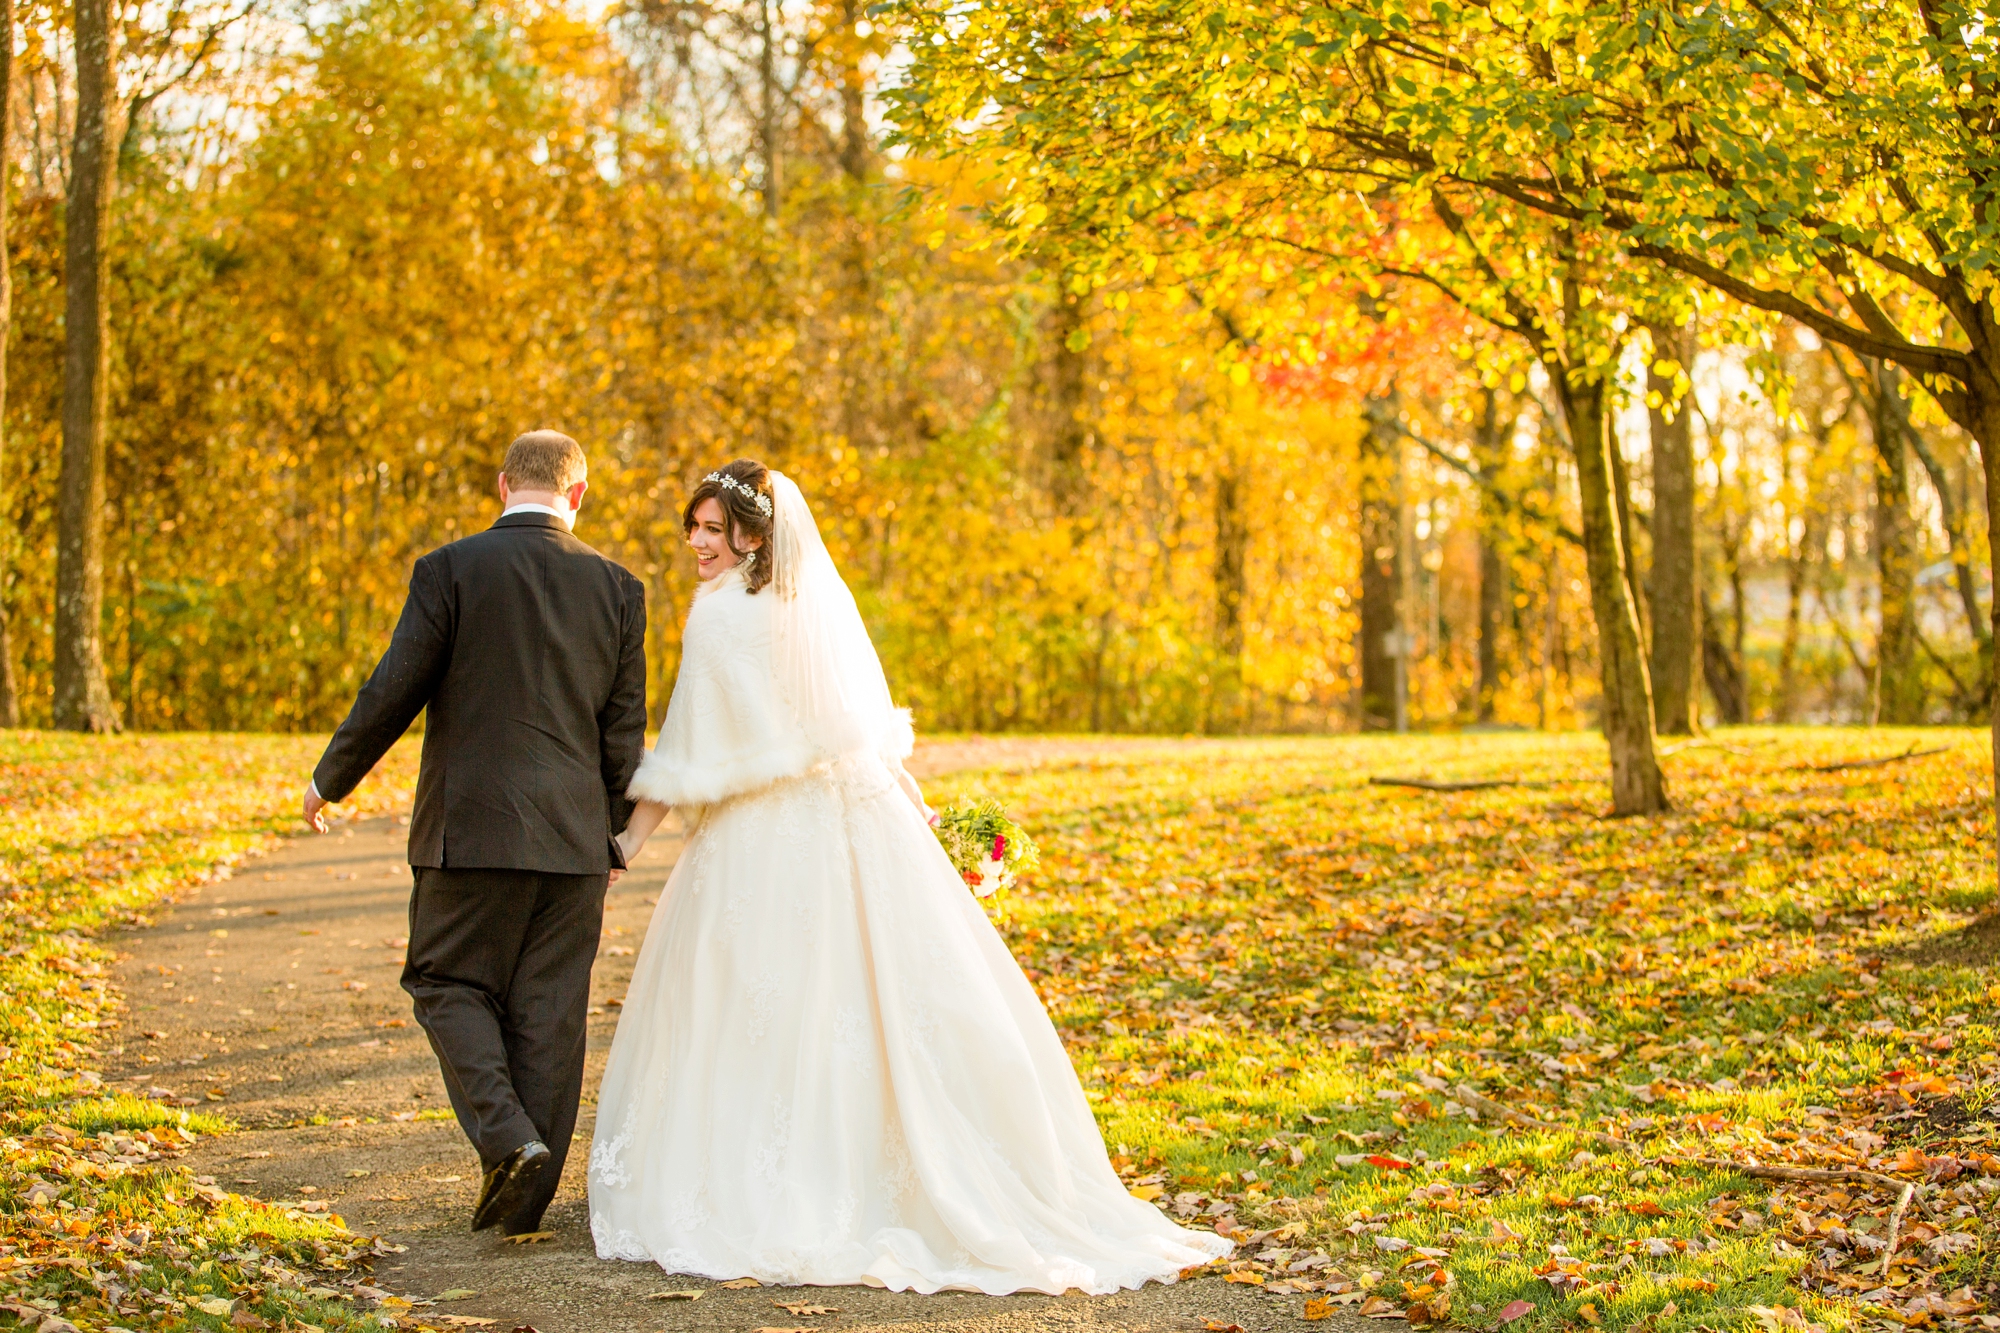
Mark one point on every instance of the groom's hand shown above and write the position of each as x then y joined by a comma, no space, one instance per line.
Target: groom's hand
315,809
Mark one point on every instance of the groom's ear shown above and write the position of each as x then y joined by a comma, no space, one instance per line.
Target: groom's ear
575,495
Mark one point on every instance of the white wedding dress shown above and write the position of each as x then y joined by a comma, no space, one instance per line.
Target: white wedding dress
828,1069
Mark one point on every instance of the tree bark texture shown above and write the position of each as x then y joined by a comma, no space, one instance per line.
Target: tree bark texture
10,697
1674,577
1068,400
1637,785
855,148
1628,538
1232,545
82,695
1493,593
1901,682
1490,441
768,106
1381,566
1719,670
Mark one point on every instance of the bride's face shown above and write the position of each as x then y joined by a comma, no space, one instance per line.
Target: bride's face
712,556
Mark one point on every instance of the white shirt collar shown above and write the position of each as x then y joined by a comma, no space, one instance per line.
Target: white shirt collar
523,507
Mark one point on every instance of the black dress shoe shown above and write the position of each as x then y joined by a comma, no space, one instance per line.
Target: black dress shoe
509,1184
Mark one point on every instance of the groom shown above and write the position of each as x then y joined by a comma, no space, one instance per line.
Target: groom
527,649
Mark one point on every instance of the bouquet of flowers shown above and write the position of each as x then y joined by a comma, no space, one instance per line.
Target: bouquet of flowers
988,849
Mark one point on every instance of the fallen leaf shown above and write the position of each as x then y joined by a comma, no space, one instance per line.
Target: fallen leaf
1781,1319
216,1306
673,1296
456,1294
1513,1310
804,1308
1217,1326
531,1238
1147,1193
465,1320
740,1284
1375,1307
1245,1277
1317,1308
248,1319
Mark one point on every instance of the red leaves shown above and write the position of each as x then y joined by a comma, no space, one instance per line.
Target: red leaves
1387,1163
1513,1310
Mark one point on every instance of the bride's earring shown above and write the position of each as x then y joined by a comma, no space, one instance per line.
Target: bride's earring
750,560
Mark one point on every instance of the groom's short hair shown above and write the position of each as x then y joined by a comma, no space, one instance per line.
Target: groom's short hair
544,460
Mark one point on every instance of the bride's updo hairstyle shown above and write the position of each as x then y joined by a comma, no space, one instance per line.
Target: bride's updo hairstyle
743,489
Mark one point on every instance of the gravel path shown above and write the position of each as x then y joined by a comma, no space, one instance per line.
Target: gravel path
272,997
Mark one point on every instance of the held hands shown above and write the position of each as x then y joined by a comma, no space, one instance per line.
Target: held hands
315,809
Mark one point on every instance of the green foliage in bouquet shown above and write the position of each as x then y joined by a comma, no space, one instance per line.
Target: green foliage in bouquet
988,849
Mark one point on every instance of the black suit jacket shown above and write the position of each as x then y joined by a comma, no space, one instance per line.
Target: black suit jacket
529,650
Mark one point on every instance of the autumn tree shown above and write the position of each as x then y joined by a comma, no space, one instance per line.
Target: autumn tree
1693,137
112,96
1176,132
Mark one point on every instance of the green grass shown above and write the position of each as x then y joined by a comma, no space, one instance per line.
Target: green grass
94,832
1267,972
1263,965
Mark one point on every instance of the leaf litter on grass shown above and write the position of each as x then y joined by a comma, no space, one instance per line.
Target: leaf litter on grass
106,1229
1275,979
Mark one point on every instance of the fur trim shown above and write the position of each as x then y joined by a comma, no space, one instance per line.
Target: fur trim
665,782
901,738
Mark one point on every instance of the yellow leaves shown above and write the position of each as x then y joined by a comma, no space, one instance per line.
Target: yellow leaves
740,1284
1147,1193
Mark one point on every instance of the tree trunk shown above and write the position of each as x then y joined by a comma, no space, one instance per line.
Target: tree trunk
1950,510
1492,559
10,697
1637,785
82,696
1901,688
1492,615
1788,652
854,146
1674,576
767,109
1381,568
1635,583
1720,671
1069,428
1232,543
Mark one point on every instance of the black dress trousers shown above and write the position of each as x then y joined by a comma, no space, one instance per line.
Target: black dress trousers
499,968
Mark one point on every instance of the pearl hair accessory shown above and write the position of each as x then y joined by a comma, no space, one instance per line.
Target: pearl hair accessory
755,496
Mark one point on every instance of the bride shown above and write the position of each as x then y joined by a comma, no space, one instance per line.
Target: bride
829,1070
